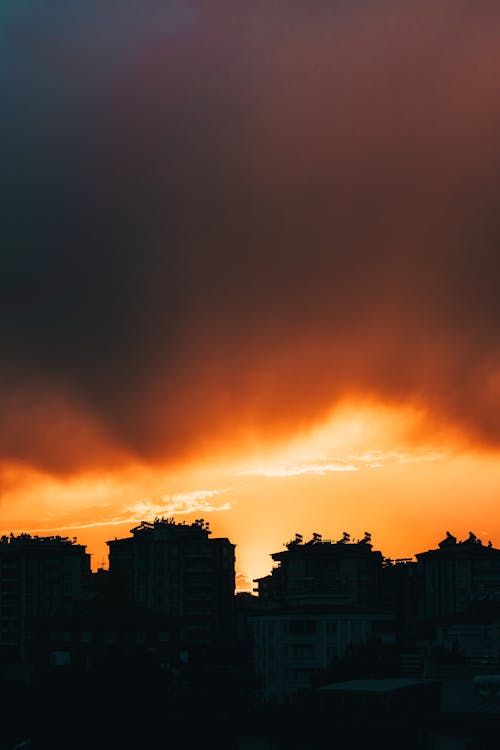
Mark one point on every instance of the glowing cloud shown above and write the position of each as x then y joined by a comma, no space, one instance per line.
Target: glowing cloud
225,220
295,471
181,503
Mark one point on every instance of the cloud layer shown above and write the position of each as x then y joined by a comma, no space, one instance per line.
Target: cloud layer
224,218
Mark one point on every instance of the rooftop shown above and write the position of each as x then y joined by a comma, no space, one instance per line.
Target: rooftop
452,547
39,541
167,527
317,545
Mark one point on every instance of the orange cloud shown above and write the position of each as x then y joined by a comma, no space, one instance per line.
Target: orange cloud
226,220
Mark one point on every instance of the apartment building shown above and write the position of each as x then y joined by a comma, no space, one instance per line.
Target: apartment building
39,576
290,646
344,573
457,574
177,569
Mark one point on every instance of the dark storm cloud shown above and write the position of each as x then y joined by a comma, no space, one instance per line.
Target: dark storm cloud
223,217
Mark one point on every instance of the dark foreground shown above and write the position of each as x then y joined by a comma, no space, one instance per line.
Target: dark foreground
134,709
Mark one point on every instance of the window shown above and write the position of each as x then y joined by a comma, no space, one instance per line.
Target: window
355,628
59,636
301,627
270,628
299,676
301,651
59,658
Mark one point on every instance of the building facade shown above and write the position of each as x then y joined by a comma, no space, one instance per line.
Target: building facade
289,647
457,574
179,570
39,576
321,599
342,573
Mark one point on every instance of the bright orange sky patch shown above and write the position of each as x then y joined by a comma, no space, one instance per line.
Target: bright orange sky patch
358,472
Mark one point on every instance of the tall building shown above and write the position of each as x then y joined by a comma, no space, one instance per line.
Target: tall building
324,572
179,570
322,598
39,577
457,574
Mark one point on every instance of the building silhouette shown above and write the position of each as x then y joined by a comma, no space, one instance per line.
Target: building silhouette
292,645
336,632
323,598
105,637
457,574
39,576
345,572
177,569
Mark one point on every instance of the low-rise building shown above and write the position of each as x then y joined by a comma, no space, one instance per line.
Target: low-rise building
290,646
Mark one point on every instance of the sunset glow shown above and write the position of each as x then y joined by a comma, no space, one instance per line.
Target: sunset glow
361,471
251,271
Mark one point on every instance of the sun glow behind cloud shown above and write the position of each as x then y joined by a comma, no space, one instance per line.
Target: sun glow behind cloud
370,460
348,473
350,438
295,471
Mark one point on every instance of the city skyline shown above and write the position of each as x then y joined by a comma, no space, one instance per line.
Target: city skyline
250,270
244,583
163,629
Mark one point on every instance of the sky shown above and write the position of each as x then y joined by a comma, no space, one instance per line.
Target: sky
250,270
